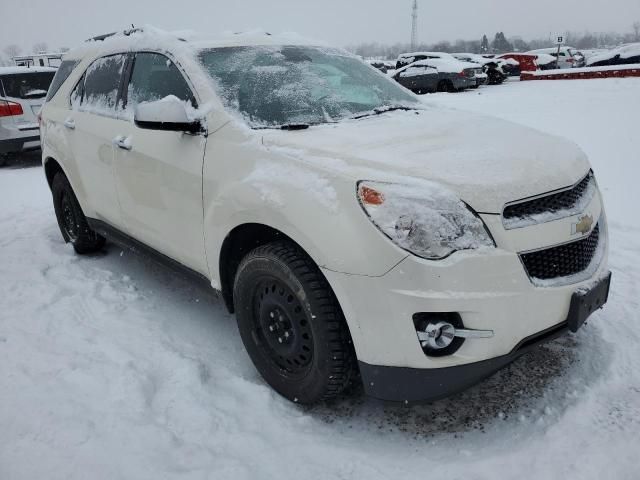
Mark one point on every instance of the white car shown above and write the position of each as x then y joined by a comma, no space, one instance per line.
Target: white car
350,227
22,92
568,57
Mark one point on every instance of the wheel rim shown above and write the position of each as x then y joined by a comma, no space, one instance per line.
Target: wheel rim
69,218
281,328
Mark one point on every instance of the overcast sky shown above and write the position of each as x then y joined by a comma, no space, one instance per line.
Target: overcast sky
340,22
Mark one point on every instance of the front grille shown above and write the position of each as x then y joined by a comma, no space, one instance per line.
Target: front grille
555,202
564,260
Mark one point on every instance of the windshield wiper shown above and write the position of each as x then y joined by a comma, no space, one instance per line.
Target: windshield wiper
294,126
384,109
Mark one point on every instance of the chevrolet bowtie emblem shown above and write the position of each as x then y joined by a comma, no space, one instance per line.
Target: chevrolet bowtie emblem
583,226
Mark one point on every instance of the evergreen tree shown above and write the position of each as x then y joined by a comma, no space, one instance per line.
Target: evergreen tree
501,44
484,45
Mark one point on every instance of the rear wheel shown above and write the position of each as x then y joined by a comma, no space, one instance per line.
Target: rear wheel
291,324
71,220
446,86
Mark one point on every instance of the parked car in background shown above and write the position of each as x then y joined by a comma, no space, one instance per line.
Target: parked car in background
453,75
493,68
22,93
418,78
526,62
39,60
624,55
569,57
529,62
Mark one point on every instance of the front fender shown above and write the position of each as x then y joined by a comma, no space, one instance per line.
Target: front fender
246,182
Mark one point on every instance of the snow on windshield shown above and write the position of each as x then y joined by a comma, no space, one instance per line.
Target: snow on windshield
278,85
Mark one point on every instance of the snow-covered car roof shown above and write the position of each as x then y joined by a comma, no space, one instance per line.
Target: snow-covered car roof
430,54
14,70
441,64
624,51
544,59
149,37
420,63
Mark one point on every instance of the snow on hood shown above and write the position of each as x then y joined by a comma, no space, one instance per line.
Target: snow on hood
486,161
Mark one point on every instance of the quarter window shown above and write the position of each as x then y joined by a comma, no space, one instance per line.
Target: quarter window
154,77
63,72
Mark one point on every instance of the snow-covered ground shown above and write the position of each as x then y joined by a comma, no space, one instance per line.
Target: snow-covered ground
113,367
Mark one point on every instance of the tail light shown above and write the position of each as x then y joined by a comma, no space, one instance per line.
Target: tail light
462,74
10,109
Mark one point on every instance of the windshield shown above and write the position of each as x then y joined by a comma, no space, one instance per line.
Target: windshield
275,86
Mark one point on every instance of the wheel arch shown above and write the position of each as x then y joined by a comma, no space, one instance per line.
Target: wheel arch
237,243
51,168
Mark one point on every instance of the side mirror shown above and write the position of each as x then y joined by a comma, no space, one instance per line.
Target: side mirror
168,113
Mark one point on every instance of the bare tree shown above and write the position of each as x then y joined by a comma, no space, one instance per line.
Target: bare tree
12,50
39,47
636,31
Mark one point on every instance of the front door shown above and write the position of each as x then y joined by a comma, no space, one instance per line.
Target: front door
158,173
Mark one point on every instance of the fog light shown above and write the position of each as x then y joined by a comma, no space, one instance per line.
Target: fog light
442,334
437,335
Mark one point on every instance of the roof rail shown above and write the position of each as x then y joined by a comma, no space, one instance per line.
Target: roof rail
127,32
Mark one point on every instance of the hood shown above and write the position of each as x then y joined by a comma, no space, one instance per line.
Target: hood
488,162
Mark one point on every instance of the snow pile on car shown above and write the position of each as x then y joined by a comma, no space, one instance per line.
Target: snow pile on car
618,55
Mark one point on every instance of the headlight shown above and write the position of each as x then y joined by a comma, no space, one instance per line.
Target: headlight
426,219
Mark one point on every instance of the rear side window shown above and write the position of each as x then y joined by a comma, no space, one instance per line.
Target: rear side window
99,87
27,85
154,77
61,75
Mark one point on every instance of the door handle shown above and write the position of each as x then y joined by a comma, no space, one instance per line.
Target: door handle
70,124
122,142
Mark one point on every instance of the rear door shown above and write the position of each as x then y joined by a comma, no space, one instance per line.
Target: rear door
419,78
92,123
159,173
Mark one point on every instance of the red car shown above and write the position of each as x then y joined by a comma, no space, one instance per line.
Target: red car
527,62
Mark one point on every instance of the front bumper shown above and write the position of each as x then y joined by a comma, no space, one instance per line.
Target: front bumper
489,289
402,384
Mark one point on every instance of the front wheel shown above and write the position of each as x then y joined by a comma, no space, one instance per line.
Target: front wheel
71,220
291,324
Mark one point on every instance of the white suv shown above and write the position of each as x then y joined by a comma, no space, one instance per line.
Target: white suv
350,228
22,93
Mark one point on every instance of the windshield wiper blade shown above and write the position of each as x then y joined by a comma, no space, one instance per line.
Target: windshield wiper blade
294,126
380,110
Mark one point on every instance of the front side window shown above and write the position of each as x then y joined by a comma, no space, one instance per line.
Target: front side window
154,77
98,89
275,86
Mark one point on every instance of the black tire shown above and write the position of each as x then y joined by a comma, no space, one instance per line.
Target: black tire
72,222
291,324
446,86
4,159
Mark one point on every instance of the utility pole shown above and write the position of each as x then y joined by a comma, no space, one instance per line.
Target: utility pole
414,26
